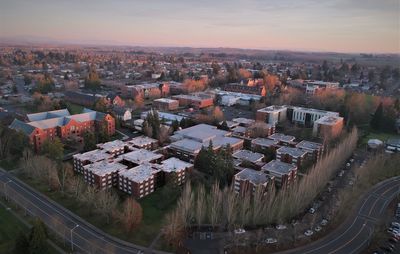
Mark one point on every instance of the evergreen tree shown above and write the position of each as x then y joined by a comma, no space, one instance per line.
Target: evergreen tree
89,141
21,244
224,126
37,238
377,118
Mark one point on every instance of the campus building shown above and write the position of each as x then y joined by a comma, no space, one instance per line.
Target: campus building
328,127
166,104
195,100
60,123
187,143
314,150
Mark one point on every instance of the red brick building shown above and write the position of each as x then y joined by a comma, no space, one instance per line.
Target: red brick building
60,123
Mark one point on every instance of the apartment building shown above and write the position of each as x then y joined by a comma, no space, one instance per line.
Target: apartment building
138,181
195,100
60,123
328,127
166,104
292,155
246,157
83,159
314,150
272,114
248,180
264,144
283,139
144,142
242,88
103,174
283,173
174,169
116,147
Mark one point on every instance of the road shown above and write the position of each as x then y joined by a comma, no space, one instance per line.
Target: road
85,237
355,233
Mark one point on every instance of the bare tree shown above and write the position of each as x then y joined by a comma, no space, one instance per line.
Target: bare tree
131,214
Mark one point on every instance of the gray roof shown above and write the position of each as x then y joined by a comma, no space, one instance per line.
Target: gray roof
292,151
21,126
278,167
254,176
282,137
48,115
308,145
264,142
247,155
393,142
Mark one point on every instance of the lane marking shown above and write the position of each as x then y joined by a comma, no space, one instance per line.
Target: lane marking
349,241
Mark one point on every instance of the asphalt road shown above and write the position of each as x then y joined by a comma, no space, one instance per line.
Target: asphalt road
86,238
355,233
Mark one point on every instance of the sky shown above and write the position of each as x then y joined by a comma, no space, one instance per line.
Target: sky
310,25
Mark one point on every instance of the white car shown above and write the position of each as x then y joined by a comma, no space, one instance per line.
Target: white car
317,228
312,210
271,240
341,173
351,183
240,231
324,222
280,227
308,233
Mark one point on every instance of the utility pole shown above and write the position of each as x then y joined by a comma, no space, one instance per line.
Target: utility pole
72,240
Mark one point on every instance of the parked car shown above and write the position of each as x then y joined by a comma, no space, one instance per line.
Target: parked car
308,232
280,227
240,231
271,240
312,210
324,222
317,228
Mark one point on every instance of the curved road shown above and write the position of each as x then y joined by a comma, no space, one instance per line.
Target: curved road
355,233
350,237
85,238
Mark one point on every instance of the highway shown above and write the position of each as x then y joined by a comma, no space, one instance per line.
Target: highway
354,234
81,235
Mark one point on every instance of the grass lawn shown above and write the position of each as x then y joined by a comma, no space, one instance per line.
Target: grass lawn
10,226
154,209
383,136
74,108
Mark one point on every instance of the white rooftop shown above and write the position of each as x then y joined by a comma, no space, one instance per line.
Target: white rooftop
112,145
93,156
173,164
103,168
141,156
142,141
140,173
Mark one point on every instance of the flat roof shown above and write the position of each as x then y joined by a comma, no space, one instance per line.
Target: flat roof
112,145
329,120
278,167
273,108
393,142
313,110
142,141
282,137
248,155
265,142
254,176
103,168
141,156
93,156
308,145
244,121
140,173
292,151
166,100
201,132
173,164
188,145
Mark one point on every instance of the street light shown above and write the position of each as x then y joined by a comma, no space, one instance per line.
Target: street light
5,190
72,240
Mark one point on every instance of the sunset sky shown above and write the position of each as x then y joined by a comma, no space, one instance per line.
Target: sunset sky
318,25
